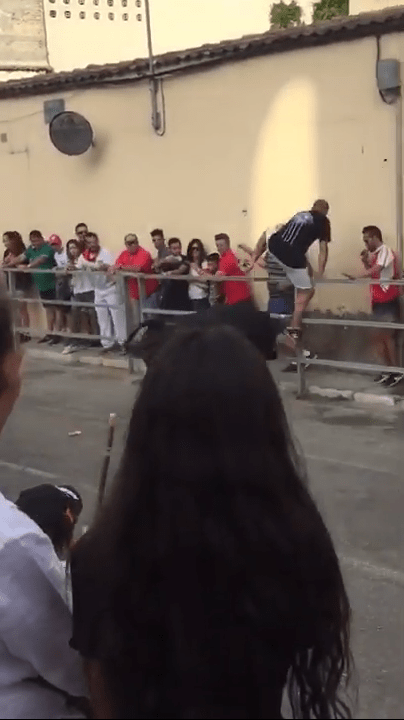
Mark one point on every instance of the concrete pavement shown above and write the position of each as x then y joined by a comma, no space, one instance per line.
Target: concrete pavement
354,457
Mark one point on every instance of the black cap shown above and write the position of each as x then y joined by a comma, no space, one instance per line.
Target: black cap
47,504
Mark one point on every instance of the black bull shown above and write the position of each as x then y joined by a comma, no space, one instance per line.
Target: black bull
256,326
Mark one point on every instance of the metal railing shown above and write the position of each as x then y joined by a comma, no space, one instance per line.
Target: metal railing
121,284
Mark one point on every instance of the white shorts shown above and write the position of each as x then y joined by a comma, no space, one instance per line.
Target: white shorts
299,277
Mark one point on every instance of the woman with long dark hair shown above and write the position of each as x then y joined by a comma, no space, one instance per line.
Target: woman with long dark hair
209,582
198,291
14,247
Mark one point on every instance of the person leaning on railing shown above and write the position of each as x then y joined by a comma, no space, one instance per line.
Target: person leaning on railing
233,290
63,289
382,263
22,285
109,306
40,255
198,291
83,317
136,259
174,293
216,295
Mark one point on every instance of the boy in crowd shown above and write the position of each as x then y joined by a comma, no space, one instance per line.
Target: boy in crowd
216,296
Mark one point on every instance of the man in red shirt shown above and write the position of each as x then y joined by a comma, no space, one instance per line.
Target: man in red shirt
136,259
234,291
381,263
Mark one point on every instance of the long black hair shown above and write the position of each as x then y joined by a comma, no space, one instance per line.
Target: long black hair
201,251
16,242
69,243
220,581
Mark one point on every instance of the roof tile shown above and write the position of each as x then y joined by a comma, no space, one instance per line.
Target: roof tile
342,29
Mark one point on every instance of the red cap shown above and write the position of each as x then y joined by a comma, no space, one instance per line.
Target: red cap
55,240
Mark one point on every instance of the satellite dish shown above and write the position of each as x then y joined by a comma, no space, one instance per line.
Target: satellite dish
71,133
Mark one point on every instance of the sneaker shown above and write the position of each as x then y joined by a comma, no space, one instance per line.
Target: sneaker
45,339
381,379
68,349
122,350
55,340
307,355
393,379
105,350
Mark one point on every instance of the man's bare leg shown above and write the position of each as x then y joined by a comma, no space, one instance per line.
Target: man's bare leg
293,334
302,300
50,312
390,350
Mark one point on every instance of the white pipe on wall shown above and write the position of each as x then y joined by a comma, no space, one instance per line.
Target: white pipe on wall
399,174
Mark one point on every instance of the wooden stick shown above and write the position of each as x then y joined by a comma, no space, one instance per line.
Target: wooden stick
107,459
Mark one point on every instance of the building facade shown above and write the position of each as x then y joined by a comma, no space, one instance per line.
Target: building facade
23,49
65,34
253,131
87,32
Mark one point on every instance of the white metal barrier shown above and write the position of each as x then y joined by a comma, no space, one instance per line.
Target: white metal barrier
122,278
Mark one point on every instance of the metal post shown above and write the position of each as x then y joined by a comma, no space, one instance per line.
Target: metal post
123,281
301,378
399,174
142,298
14,304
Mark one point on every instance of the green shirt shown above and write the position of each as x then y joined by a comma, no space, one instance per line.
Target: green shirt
43,281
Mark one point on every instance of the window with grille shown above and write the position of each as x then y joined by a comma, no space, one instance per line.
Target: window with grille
70,12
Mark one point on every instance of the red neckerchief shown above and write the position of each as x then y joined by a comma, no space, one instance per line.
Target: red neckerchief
90,255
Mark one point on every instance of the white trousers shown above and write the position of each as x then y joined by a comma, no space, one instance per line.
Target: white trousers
111,318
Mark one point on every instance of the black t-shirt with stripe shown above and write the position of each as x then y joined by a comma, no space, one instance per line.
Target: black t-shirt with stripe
291,243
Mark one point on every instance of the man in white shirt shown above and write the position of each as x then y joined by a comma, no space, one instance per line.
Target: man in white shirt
38,669
109,305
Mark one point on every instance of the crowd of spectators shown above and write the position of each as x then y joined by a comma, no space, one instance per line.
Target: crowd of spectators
80,302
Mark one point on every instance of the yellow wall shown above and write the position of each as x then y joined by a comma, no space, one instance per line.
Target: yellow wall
247,144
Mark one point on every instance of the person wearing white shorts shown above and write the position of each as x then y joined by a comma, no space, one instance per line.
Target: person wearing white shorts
288,246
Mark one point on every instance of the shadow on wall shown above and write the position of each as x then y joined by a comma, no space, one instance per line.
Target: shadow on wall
317,139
